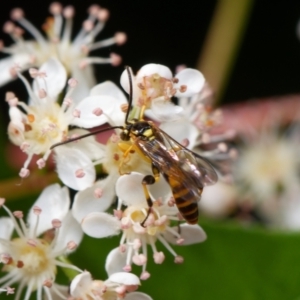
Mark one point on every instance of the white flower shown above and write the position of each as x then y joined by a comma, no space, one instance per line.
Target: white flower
138,229
118,286
154,86
43,122
31,259
58,44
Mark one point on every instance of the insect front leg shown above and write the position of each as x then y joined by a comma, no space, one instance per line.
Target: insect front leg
147,180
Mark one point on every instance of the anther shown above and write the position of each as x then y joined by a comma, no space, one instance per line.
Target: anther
8,27
103,14
88,25
20,264
185,142
24,173
17,14
97,111
5,258
121,290
72,82
145,275
178,259
71,245
2,201
55,8
159,257
41,163
137,244
222,147
118,213
98,193
69,12
115,59
9,290
127,268
48,283
120,38
93,9
124,107
18,214
122,248
175,80
79,173
76,113
139,259
56,223
11,98
42,94
37,210
67,101
182,88
180,241
32,242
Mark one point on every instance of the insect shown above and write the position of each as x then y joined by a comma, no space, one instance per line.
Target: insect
185,171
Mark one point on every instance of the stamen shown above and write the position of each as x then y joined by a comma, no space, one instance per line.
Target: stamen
127,268
159,257
48,283
97,111
98,193
79,173
24,173
18,214
56,223
41,163
76,113
118,213
71,245
179,260
145,275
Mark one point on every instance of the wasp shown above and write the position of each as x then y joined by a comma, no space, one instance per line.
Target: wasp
186,172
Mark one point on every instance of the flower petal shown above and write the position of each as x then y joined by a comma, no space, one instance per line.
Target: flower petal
55,80
80,283
115,261
181,130
192,234
137,296
6,228
87,107
70,231
99,225
150,69
129,188
7,63
86,201
192,79
86,80
124,278
68,161
166,111
54,202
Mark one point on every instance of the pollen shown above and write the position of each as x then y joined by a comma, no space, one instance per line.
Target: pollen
33,260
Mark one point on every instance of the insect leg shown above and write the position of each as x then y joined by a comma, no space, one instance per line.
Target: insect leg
147,180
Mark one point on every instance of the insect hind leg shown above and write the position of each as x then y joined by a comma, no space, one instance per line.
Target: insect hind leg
148,180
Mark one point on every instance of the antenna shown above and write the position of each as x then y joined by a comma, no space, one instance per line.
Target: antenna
130,94
84,136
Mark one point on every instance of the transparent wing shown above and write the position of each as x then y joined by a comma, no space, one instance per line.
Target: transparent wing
177,161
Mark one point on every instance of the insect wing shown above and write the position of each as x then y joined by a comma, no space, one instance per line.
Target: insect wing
192,165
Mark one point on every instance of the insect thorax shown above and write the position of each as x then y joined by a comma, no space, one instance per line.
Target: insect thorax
138,129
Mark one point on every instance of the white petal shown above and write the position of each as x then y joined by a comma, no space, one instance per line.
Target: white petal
80,284
115,261
68,161
108,88
129,188
86,202
166,111
88,145
99,225
54,202
6,228
124,278
56,77
137,296
192,234
69,231
161,189
193,79
86,80
7,63
150,69
86,107
181,130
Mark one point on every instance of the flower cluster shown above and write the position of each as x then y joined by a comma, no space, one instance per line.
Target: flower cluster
152,159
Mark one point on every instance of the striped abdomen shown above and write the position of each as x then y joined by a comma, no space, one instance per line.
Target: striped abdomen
186,199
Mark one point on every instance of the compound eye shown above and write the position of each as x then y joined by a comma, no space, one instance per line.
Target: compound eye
124,136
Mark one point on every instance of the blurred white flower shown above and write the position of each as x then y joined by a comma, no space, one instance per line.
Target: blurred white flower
118,286
139,229
31,259
58,44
